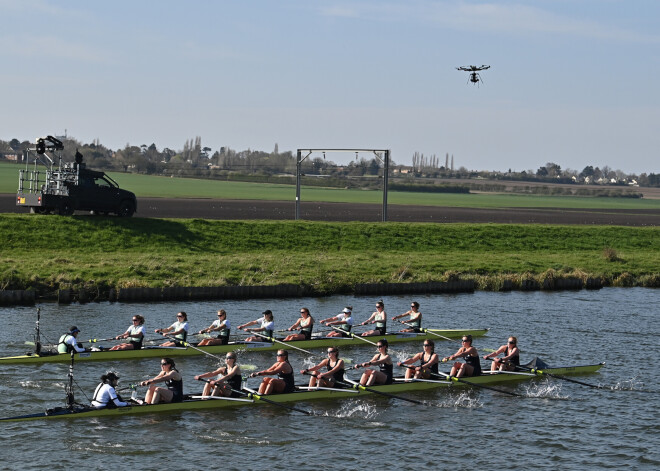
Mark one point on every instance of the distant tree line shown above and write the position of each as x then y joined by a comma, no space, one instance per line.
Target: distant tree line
196,160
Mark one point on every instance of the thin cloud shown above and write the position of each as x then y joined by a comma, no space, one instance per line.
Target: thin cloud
51,47
508,18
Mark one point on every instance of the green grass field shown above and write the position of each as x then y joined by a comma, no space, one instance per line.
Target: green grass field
47,253
156,186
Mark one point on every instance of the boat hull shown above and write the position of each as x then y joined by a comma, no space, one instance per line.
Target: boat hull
158,352
397,388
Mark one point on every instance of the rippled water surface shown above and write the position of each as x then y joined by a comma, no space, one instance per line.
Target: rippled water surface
560,425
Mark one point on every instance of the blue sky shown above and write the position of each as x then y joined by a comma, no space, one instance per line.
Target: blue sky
572,82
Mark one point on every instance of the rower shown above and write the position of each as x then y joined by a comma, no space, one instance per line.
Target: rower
511,358
222,326
378,317
284,383
266,328
105,395
342,321
173,392
334,371
472,366
134,334
415,320
68,343
428,362
305,323
178,330
382,359
228,379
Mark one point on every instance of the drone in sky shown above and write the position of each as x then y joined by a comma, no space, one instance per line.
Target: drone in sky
475,78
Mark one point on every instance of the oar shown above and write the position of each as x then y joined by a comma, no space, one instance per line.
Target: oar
100,340
460,380
223,397
259,397
288,345
354,385
186,344
430,332
359,337
540,372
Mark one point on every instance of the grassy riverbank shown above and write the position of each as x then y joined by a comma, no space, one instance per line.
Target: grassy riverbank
47,253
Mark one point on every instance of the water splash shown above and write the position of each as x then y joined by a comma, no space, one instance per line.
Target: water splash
30,384
545,389
458,400
632,384
355,409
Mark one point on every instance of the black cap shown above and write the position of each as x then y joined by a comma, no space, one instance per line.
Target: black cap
73,329
268,311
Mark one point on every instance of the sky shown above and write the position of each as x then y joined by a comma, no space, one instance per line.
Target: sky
573,82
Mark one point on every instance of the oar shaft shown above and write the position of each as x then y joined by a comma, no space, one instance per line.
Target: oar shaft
358,337
460,380
186,344
382,393
260,397
288,345
567,379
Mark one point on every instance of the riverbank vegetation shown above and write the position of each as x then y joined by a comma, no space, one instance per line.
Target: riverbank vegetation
47,253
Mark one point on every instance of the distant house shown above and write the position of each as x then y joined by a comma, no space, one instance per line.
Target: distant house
13,157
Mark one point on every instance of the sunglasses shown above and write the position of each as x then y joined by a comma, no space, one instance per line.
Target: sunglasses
281,354
135,320
230,358
380,346
512,343
427,345
464,340
331,351
180,317
163,364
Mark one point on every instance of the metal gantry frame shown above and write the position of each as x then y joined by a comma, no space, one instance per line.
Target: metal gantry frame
385,159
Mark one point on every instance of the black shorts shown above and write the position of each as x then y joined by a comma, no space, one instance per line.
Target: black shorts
225,340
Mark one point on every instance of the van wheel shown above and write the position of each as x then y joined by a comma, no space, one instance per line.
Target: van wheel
66,209
126,209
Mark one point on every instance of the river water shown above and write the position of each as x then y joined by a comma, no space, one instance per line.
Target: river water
561,425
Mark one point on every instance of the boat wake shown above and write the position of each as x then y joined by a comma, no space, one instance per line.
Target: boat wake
107,448
222,436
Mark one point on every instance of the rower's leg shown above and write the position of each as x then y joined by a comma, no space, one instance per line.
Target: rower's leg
365,377
409,373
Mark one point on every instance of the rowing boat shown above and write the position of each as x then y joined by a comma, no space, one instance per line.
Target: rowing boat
157,352
400,386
